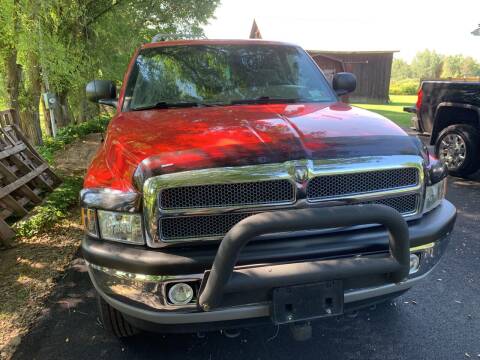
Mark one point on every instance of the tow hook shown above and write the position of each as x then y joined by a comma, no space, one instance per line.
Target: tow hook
301,331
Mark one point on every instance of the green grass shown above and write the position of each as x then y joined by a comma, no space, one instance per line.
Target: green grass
393,110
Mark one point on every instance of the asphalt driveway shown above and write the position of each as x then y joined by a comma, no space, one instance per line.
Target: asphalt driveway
437,320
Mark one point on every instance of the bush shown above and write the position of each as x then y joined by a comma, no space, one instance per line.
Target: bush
54,208
70,133
404,87
57,204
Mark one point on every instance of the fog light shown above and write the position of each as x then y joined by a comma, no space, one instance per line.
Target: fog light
180,294
414,263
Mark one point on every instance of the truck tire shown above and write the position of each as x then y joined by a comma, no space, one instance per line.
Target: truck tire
459,147
113,321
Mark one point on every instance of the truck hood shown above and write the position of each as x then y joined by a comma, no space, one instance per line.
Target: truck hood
154,142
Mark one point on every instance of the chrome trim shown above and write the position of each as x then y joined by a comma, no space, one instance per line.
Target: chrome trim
288,170
156,309
150,290
245,311
110,199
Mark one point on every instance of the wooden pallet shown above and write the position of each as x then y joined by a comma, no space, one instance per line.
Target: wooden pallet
25,178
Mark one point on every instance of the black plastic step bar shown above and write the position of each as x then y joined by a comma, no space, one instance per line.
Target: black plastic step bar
222,278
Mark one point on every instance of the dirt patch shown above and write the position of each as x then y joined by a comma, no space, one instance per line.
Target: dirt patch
76,157
28,274
29,271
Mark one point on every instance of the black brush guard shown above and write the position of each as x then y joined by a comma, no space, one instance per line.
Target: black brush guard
222,278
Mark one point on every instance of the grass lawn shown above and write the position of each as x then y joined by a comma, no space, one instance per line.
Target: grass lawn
394,110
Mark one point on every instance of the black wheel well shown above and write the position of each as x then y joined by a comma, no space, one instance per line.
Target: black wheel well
451,115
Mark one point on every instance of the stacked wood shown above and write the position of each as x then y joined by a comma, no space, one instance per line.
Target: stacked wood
25,178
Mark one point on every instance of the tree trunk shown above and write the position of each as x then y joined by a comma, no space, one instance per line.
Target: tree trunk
67,113
13,70
13,75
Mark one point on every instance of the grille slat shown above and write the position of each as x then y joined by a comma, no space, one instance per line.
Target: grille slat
405,204
330,186
222,195
201,226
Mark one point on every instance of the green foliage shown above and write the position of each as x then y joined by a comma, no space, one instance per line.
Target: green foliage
70,133
452,66
55,207
70,42
404,87
457,66
401,69
427,65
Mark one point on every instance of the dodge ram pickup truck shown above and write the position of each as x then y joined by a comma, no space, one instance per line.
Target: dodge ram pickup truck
234,188
449,113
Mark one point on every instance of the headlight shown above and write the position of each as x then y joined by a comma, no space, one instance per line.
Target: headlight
434,195
120,226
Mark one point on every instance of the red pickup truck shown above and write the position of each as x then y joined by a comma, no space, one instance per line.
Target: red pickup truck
234,188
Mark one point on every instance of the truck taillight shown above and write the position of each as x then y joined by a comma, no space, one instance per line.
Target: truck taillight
419,99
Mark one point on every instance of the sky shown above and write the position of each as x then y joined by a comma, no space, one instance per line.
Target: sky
407,25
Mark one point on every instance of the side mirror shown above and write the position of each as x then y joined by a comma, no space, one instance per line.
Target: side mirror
344,83
102,91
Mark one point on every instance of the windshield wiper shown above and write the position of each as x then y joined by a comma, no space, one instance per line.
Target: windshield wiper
168,105
266,100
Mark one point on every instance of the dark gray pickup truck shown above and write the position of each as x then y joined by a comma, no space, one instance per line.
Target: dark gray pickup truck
449,113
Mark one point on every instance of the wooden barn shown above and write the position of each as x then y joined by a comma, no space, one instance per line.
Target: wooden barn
373,69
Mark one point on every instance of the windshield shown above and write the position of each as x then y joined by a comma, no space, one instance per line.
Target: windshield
222,75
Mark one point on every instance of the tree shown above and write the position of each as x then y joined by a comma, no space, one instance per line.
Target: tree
470,67
458,66
452,66
61,44
427,65
401,70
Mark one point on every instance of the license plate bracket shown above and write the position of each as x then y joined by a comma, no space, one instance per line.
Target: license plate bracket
307,302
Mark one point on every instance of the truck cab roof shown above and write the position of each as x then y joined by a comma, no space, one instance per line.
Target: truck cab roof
187,42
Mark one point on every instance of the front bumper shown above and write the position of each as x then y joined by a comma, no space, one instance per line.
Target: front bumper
141,294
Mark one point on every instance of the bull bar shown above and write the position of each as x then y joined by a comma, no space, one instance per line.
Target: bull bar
223,278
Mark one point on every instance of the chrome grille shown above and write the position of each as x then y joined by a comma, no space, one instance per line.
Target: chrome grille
221,195
216,226
192,205
405,204
201,226
329,186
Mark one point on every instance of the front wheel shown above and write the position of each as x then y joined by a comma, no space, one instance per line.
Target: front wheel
458,146
113,321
